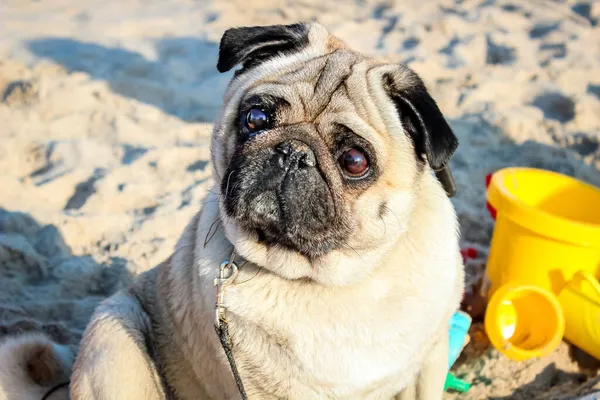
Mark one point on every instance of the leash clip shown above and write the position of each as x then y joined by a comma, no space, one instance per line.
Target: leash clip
228,271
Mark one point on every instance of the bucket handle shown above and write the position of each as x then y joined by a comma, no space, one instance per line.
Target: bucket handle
583,276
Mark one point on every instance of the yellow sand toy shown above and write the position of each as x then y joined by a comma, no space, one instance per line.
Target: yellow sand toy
543,264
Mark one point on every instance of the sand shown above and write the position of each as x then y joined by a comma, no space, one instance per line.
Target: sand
106,110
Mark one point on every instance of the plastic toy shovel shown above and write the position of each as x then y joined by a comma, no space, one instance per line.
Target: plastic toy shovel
458,338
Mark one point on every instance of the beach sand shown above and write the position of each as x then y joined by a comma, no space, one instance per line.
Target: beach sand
105,119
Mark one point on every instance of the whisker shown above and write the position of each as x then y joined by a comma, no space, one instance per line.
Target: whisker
354,250
227,187
390,210
384,225
207,239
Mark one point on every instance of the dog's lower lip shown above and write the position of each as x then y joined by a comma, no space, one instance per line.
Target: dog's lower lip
261,235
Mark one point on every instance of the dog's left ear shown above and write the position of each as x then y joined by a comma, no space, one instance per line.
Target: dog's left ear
255,44
423,121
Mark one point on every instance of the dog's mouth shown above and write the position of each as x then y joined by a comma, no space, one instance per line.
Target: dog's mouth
260,234
280,195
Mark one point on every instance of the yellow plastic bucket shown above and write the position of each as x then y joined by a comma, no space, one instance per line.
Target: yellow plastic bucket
580,301
547,229
524,321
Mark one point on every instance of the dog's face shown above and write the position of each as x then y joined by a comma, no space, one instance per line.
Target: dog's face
319,151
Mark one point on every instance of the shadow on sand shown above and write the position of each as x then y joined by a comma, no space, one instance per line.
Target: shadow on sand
182,81
43,287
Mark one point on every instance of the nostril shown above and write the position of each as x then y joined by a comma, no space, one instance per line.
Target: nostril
285,148
295,153
280,160
308,159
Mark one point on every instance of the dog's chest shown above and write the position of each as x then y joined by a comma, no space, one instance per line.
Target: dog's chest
348,342
350,360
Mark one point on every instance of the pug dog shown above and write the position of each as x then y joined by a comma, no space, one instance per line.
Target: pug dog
329,200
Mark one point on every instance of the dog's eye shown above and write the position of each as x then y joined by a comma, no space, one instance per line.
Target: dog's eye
256,120
354,163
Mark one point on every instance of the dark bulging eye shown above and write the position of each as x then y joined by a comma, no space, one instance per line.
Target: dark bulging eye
256,120
354,163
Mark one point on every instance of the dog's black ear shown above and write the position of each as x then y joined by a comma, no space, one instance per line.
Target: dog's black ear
254,44
422,119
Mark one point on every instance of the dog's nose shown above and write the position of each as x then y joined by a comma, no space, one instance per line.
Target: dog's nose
295,152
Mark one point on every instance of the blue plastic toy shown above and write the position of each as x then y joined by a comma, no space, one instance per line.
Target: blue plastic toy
459,329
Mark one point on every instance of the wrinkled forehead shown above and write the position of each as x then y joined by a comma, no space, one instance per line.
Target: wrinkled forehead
339,88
